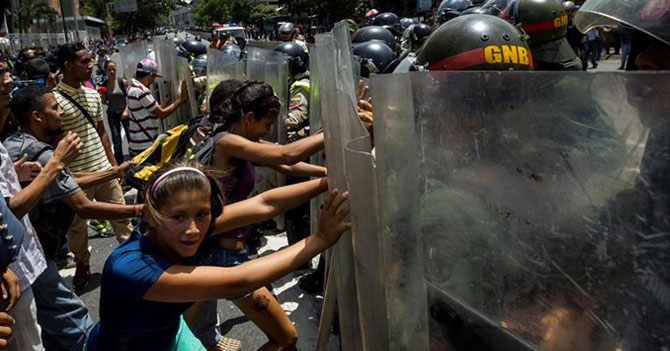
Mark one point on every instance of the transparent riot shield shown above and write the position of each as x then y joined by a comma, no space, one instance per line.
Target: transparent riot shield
131,55
542,215
397,211
271,67
315,123
189,109
166,59
221,67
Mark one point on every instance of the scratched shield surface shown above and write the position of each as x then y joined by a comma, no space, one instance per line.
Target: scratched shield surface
543,207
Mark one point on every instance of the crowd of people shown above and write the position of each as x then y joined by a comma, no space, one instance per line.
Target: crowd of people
183,243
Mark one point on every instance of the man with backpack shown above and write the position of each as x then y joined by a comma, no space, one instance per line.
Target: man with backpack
83,115
63,317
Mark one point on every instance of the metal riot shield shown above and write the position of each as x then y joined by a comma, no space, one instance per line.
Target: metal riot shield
222,67
543,214
131,55
166,59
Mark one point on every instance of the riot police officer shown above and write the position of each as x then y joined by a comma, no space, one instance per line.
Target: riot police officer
368,33
546,23
374,57
475,42
191,49
450,9
412,41
287,32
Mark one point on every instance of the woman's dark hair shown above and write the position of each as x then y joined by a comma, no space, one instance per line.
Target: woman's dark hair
68,53
157,194
252,96
220,96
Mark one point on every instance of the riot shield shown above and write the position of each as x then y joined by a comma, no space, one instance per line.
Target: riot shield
540,216
271,67
221,67
166,59
188,110
315,123
131,55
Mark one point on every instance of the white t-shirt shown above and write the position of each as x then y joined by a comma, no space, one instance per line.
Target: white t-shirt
143,124
30,263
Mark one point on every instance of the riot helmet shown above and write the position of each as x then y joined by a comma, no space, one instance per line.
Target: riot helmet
647,21
231,50
374,57
406,22
475,42
569,6
386,19
450,9
298,61
546,23
199,65
286,31
418,35
177,41
374,33
194,48
473,11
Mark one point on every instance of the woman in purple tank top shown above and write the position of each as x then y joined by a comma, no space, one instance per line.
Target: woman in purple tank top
249,110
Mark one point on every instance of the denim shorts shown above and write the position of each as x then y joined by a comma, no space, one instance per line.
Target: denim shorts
216,256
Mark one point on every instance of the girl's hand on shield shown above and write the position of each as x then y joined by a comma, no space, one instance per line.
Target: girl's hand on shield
332,223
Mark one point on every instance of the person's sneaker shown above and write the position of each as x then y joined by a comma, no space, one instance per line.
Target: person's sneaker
102,228
81,276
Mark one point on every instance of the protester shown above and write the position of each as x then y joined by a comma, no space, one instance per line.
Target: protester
152,275
83,115
145,112
117,109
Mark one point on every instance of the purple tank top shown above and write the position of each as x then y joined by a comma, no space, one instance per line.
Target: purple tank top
237,186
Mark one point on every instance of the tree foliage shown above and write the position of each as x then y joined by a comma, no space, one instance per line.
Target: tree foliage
208,12
150,14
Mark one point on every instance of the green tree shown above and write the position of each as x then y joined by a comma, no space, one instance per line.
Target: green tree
150,14
207,12
260,13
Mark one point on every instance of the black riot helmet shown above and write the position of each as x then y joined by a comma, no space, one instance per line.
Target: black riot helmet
406,22
194,48
298,61
374,33
449,9
231,50
374,57
475,42
199,65
419,33
386,19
